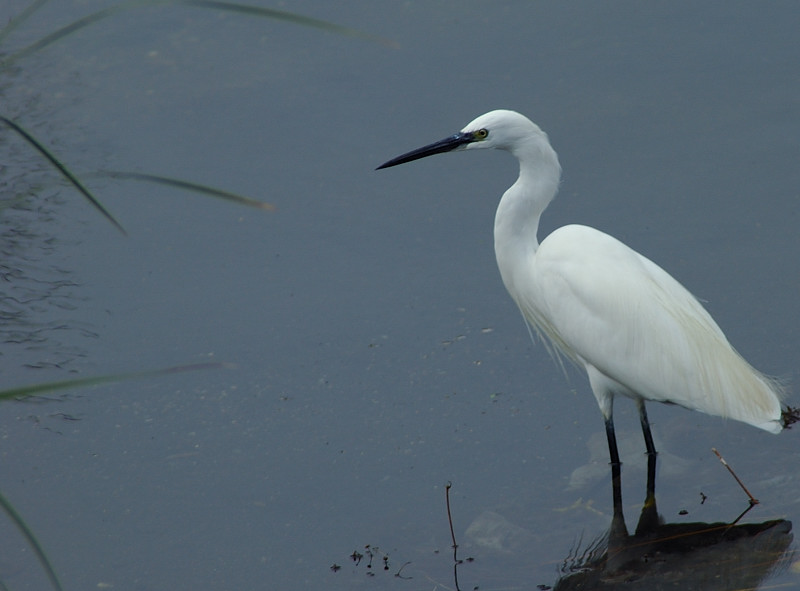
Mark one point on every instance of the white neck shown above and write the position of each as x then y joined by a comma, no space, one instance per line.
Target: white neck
517,219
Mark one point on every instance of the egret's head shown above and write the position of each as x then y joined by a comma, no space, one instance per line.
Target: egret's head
499,129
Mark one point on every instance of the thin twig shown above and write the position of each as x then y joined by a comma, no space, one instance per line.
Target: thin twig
753,500
450,519
400,570
456,561
742,514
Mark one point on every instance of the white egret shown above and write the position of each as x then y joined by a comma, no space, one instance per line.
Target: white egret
635,330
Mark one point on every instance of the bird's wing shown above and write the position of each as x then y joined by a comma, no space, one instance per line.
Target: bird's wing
608,306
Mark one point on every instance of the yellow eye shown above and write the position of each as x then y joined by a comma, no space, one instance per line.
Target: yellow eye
481,134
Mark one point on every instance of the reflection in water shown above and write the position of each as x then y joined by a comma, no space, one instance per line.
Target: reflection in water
39,296
707,556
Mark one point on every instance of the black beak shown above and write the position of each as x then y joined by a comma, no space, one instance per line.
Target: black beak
446,145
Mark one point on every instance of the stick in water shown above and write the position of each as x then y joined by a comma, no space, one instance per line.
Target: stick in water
753,500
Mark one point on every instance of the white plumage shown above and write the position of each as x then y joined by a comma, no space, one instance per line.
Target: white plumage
635,329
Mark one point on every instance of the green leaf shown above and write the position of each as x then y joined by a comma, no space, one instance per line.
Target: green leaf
63,170
256,11
289,17
38,389
188,186
28,534
16,21
46,387
64,31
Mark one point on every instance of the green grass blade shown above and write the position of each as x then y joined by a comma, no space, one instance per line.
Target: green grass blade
289,17
188,186
63,170
28,534
281,15
38,389
45,387
20,18
64,31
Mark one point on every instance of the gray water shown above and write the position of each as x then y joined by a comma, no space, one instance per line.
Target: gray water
374,354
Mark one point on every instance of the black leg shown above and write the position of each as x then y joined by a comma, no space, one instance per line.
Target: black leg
618,534
612,443
648,436
651,452
616,467
648,520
